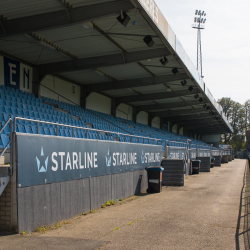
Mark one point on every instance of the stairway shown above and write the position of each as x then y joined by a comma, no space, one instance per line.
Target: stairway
4,178
173,174
205,163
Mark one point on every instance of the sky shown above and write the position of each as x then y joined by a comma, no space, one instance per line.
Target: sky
225,42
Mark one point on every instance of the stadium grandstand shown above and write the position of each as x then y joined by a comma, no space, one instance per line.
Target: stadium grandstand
103,86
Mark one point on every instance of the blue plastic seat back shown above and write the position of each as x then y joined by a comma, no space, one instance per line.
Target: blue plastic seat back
14,111
2,102
2,109
5,139
35,109
28,129
7,109
14,104
8,98
41,131
2,117
6,129
47,131
31,114
21,128
62,132
52,131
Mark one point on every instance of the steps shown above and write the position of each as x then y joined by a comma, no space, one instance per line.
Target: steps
173,174
205,163
217,162
4,178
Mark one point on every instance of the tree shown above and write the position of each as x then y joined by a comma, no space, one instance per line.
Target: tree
236,115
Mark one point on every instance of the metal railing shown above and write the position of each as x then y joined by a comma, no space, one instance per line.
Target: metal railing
86,129
8,144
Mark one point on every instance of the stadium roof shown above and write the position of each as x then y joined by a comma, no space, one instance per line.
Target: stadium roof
83,42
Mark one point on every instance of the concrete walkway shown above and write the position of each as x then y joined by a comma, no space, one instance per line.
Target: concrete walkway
201,215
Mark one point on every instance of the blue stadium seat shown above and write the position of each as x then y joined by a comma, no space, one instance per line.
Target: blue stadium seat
5,140
52,131
21,128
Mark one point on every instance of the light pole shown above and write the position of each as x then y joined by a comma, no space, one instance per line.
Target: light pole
199,24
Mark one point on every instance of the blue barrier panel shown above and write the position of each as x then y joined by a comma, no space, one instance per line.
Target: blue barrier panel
192,153
204,152
48,159
176,152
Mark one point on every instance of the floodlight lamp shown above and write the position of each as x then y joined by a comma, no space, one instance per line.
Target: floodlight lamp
184,82
164,60
204,20
123,19
198,20
196,96
200,100
88,25
202,13
196,12
190,88
175,71
195,19
201,20
149,41
199,13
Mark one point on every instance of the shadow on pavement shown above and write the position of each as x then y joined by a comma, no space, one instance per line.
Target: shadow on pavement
244,212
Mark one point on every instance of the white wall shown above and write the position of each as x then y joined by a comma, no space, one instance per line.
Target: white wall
142,117
174,128
99,103
64,88
156,122
124,111
181,131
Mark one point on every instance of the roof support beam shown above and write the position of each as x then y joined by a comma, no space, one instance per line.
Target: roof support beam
131,83
155,96
178,112
189,117
60,18
168,105
101,61
197,121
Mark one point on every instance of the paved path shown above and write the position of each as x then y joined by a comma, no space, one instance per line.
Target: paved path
201,215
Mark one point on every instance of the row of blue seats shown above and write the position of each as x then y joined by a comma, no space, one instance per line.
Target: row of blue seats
31,115
15,102
19,99
79,134
22,122
17,95
13,90
25,107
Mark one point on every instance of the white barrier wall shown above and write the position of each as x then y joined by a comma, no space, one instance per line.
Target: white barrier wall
124,111
64,88
156,122
99,103
174,128
142,117
181,131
